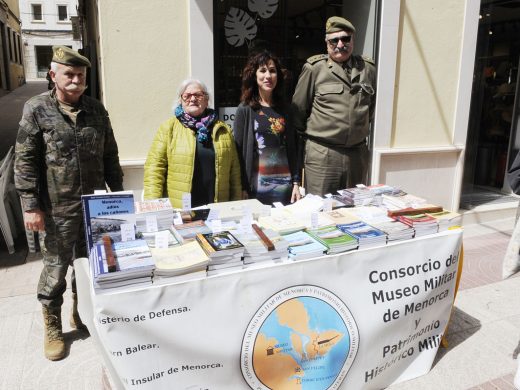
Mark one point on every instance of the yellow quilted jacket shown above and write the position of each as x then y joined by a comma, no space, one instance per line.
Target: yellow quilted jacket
168,170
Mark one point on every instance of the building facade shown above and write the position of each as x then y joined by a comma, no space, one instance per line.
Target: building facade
11,57
46,23
425,58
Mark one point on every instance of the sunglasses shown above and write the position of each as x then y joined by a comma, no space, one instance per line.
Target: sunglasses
344,39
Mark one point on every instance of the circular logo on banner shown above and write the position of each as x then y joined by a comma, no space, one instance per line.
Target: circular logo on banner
303,337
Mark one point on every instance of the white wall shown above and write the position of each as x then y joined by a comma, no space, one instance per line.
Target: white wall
48,32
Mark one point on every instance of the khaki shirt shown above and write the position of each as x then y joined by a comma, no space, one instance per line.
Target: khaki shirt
331,107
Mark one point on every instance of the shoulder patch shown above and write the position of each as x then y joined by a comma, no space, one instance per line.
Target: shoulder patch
368,59
318,57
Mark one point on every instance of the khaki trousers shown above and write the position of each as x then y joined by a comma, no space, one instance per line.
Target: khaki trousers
329,169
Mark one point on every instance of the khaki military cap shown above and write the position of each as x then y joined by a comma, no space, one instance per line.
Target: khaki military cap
66,56
337,23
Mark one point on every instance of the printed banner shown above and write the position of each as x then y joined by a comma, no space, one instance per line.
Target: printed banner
359,320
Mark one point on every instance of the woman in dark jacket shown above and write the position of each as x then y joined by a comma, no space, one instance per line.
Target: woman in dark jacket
266,142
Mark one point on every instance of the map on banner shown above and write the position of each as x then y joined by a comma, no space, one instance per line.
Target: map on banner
304,342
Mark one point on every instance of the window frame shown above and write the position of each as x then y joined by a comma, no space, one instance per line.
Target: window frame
33,20
67,18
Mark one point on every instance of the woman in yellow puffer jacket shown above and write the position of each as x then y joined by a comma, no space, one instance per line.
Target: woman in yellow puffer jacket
194,153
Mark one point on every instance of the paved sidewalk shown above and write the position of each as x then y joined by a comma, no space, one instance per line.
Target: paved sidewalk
483,336
11,108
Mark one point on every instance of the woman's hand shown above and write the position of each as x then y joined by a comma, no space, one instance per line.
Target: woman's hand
245,195
295,196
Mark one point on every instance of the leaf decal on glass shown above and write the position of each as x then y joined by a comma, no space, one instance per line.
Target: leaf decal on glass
264,8
239,26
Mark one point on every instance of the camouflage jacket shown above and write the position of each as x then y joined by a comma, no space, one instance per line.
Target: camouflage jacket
56,161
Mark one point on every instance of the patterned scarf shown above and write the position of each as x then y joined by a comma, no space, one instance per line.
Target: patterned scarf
200,125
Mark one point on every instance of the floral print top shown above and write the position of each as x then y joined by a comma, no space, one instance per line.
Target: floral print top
273,181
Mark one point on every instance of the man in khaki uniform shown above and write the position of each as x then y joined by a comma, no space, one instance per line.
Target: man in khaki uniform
333,106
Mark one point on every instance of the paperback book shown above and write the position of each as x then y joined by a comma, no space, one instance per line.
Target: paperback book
104,214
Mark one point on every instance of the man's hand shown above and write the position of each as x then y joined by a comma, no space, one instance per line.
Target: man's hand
34,220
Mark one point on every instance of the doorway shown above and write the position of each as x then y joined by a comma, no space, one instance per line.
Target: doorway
491,142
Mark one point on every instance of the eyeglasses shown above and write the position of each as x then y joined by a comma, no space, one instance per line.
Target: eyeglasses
186,97
345,39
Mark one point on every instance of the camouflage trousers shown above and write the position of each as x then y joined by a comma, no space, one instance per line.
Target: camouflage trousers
62,242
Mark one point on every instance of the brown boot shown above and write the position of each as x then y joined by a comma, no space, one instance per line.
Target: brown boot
75,320
53,344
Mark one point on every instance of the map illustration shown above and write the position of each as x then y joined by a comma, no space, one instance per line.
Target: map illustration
300,342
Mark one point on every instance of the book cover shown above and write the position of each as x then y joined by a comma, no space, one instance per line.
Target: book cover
222,241
103,214
180,259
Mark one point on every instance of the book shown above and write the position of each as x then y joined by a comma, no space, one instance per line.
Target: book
152,205
235,210
187,231
133,264
215,244
103,214
179,260
334,239
366,235
304,246
283,223
446,219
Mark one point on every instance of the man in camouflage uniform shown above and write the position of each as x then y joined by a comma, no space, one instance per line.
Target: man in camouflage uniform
65,148
333,106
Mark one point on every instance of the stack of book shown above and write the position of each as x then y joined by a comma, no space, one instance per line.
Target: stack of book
262,245
357,196
367,236
153,215
283,223
422,223
395,230
183,262
121,264
402,200
188,231
150,237
338,216
235,210
303,246
446,219
223,249
334,239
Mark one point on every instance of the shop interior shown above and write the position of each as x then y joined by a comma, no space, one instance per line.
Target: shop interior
492,140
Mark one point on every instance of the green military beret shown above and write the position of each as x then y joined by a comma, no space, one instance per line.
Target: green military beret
66,56
337,23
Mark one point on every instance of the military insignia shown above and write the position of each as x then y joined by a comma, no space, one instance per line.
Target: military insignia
59,53
327,26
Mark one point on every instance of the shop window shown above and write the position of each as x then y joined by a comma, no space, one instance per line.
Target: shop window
293,30
63,15
37,15
43,60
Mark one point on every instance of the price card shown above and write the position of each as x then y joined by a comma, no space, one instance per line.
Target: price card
213,214
127,232
100,192
248,215
314,220
177,219
327,204
162,238
245,225
186,201
151,223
